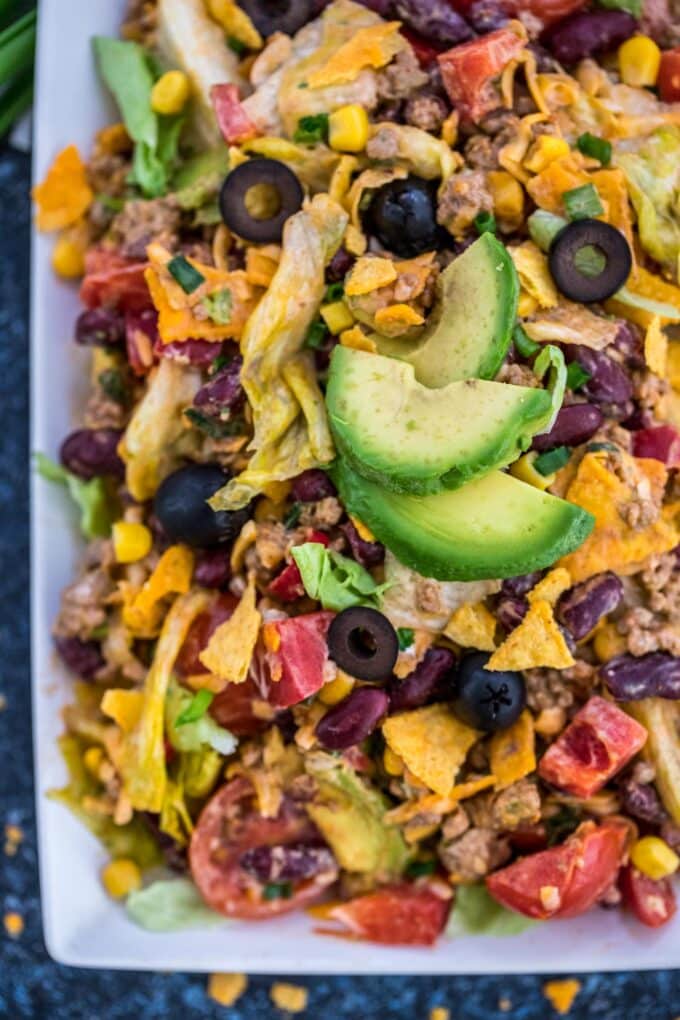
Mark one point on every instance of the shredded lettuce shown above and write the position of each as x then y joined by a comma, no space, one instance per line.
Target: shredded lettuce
96,504
197,734
476,913
170,905
175,820
551,361
653,177
199,771
335,580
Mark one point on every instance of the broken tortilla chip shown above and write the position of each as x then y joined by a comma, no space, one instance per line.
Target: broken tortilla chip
372,46
551,586
472,626
534,275
64,195
536,642
432,742
656,348
229,652
369,273
512,753
172,576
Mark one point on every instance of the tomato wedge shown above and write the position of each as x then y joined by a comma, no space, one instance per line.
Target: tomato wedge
113,281
403,914
651,900
468,71
228,826
566,880
668,81
297,654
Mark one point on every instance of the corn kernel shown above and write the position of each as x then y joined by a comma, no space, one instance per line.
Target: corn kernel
337,317
653,857
526,472
226,989
392,763
508,198
364,533
545,150
92,760
338,689
121,877
131,542
639,60
68,258
348,129
171,92
608,643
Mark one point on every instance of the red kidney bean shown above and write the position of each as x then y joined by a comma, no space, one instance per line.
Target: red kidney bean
656,675
100,327
641,418
574,424
580,608
629,342
434,20
510,612
311,486
339,266
287,863
223,391
212,568
486,16
517,586
422,684
662,442
588,32
368,554
608,383
642,801
353,719
201,353
83,657
91,452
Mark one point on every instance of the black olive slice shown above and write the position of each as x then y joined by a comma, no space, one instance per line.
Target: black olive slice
589,260
363,643
234,192
486,700
402,216
181,507
271,16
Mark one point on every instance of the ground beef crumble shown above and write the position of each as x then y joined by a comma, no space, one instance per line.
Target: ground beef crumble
142,222
462,198
547,688
401,78
474,854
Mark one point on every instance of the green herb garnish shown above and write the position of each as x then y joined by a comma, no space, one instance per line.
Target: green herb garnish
220,362
576,376
553,460
405,637
561,824
334,292
598,148
184,273
633,7
311,129
216,428
293,516
485,223
583,202
112,382
316,334
277,891
236,46
110,202
196,709
416,869
218,306
99,633
524,345
602,448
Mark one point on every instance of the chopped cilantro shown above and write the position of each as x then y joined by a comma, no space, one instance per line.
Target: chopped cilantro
216,428
236,46
334,292
311,129
277,891
405,637
416,869
113,384
220,362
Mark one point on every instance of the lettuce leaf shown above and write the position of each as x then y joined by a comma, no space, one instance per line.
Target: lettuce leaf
200,770
170,905
653,177
335,580
551,361
93,499
475,912
197,735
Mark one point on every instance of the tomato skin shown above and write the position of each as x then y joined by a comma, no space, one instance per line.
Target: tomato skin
228,826
660,442
547,11
425,52
580,871
287,586
113,281
296,655
403,914
597,743
668,81
468,71
652,901
234,123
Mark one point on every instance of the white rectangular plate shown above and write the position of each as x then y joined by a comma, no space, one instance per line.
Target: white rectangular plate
83,927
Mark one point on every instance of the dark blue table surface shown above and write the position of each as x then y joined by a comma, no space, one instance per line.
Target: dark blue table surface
31,985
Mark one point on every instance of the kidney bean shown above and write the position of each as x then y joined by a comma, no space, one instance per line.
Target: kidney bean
368,554
640,418
100,327
286,725
422,684
588,32
574,424
580,608
212,568
510,612
608,383
83,657
201,353
642,801
339,266
311,486
223,391
486,16
353,719
434,20
656,675
629,342
515,587
91,452
287,863
670,833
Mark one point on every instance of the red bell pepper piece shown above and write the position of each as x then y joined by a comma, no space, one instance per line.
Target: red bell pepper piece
468,71
234,123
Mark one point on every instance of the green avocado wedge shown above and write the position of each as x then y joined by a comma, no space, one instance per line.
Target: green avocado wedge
409,438
493,527
470,327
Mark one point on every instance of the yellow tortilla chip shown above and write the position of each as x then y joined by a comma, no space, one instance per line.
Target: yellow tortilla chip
536,642
64,195
472,626
172,576
369,273
512,753
613,544
356,338
397,316
611,187
433,803
230,650
551,586
261,264
432,742
656,347
673,364
534,275
373,46
646,285
124,707
548,187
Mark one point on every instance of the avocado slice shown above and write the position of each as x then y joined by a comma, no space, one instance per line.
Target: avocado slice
493,527
469,329
395,431
349,814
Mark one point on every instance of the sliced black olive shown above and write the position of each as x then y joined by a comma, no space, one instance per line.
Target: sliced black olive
363,643
487,700
271,16
402,216
287,192
181,507
589,260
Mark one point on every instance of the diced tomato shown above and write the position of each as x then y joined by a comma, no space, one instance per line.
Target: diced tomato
229,825
566,880
287,586
200,632
297,654
114,282
661,442
189,352
234,123
426,54
141,336
547,11
597,743
468,71
668,81
403,914
651,900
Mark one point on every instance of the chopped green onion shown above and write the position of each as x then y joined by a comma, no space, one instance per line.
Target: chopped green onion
277,891
416,869
218,306
485,222
196,709
598,148
576,376
99,633
316,334
236,46
293,516
216,428
15,100
633,7
184,273
555,459
17,45
544,228
524,345
312,129
110,202
583,202
590,260
334,292
112,382
602,448
405,637
220,362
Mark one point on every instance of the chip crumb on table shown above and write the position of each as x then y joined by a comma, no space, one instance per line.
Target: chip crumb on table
562,993
14,924
13,838
226,989
505,1005
439,1013
291,998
